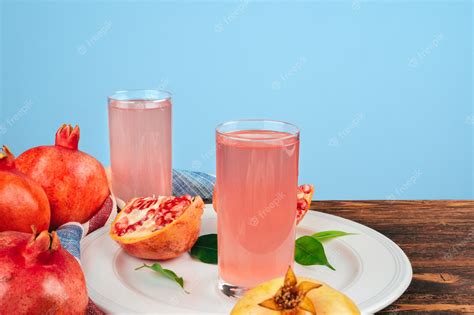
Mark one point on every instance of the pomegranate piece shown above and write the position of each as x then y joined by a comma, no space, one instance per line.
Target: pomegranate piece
75,182
304,194
38,276
158,227
23,202
301,204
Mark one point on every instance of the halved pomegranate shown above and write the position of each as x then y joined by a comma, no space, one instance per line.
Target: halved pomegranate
160,228
304,194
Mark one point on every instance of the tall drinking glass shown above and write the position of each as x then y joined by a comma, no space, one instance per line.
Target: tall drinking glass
140,143
257,177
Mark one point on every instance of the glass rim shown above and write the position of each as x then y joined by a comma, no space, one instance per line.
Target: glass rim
165,95
295,134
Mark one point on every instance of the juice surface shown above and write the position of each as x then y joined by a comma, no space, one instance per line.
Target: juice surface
256,195
140,148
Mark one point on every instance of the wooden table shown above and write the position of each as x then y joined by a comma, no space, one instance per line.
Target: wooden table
438,238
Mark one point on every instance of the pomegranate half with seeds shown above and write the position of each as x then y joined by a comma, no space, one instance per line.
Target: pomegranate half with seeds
304,193
158,228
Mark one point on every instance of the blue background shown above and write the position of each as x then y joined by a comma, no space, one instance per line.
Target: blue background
382,92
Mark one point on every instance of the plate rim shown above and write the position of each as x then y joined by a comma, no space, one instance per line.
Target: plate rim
401,279
405,277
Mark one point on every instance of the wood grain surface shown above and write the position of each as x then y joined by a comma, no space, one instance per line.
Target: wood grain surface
438,238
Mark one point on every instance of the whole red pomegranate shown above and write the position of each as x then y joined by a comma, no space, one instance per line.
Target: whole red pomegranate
23,202
75,182
37,276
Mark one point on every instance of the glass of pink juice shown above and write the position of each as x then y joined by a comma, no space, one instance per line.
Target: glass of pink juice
140,143
256,182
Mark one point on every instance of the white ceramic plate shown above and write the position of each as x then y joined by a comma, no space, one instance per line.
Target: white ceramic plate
371,269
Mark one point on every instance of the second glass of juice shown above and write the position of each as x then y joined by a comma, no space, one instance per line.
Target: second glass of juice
256,182
140,143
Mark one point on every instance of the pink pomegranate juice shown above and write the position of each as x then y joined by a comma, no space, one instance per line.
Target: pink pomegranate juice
140,148
256,183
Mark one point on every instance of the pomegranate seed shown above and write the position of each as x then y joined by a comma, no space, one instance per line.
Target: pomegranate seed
138,203
302,204
151,203
144,205
123,220
150,214
159,221
306,188
181,206
168,205
118,227
176,208
131,228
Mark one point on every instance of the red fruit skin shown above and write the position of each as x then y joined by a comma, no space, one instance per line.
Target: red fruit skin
23,203
75,182
36,279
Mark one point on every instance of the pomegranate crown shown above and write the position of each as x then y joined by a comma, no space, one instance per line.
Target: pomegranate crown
40,243
7,160
68,137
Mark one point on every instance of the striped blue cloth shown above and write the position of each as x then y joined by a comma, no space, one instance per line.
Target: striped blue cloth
70,235
184,182
193,183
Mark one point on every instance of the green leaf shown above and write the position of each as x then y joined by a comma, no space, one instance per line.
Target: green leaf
309,251
205,249
327,235
165,272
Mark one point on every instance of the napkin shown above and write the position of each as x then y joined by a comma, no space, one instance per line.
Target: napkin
184,182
